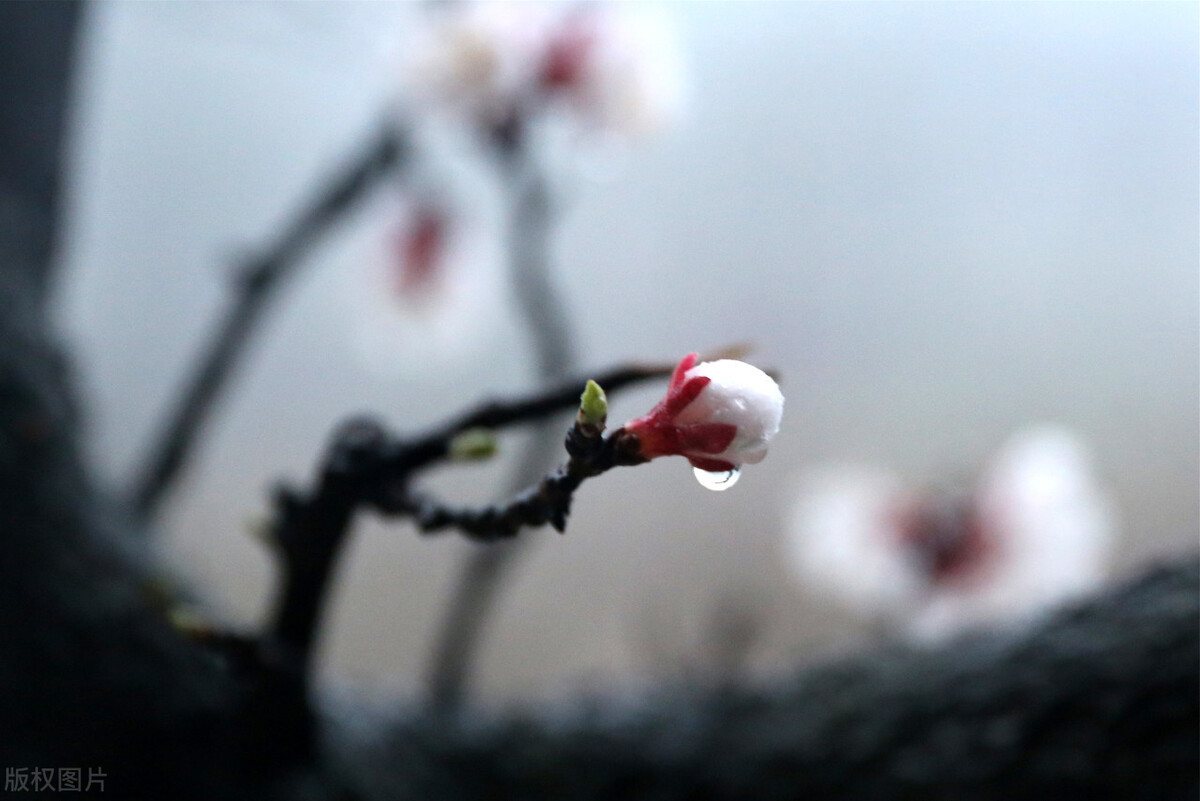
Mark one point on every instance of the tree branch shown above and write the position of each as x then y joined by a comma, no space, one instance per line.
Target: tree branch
547,502
258,282
366,468
541,307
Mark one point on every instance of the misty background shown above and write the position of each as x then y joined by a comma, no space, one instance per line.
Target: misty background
938,222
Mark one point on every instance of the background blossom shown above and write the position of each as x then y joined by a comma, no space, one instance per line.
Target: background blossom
1035,531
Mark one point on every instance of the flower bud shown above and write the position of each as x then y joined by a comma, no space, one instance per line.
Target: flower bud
718,415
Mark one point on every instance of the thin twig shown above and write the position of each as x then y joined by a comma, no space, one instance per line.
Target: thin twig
420,451
367,468
259,280
547,502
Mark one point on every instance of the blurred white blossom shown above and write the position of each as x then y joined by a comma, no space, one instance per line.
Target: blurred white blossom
513,72
614,68
1034,532
477,59
628,78
429,288
844,540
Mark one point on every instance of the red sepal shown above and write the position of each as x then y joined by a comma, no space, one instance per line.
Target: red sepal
711,465
678,398
685,364
706,437
660,435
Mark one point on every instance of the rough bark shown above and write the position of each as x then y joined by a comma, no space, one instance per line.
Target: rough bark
1099,702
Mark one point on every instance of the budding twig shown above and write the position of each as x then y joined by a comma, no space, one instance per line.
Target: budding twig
365,467
591,453
427,448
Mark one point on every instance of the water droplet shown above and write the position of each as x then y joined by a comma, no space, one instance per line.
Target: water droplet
717,482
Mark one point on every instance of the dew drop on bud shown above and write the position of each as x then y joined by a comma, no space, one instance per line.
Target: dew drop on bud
717,482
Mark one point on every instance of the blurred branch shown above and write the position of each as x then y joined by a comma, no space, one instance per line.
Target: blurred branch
37,47
254,287
540,303
733,628
483,571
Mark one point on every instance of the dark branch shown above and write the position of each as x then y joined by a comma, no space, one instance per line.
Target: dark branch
259,280
548,502
366,468
434,446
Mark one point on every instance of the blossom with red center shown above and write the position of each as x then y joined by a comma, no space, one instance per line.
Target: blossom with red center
718,415
612,68
948,539
1034,531
616,69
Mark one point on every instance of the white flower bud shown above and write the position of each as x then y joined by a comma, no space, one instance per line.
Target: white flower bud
742,395
719,415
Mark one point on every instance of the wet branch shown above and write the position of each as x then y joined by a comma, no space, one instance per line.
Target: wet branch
365,467
547,502
423,450
255,285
